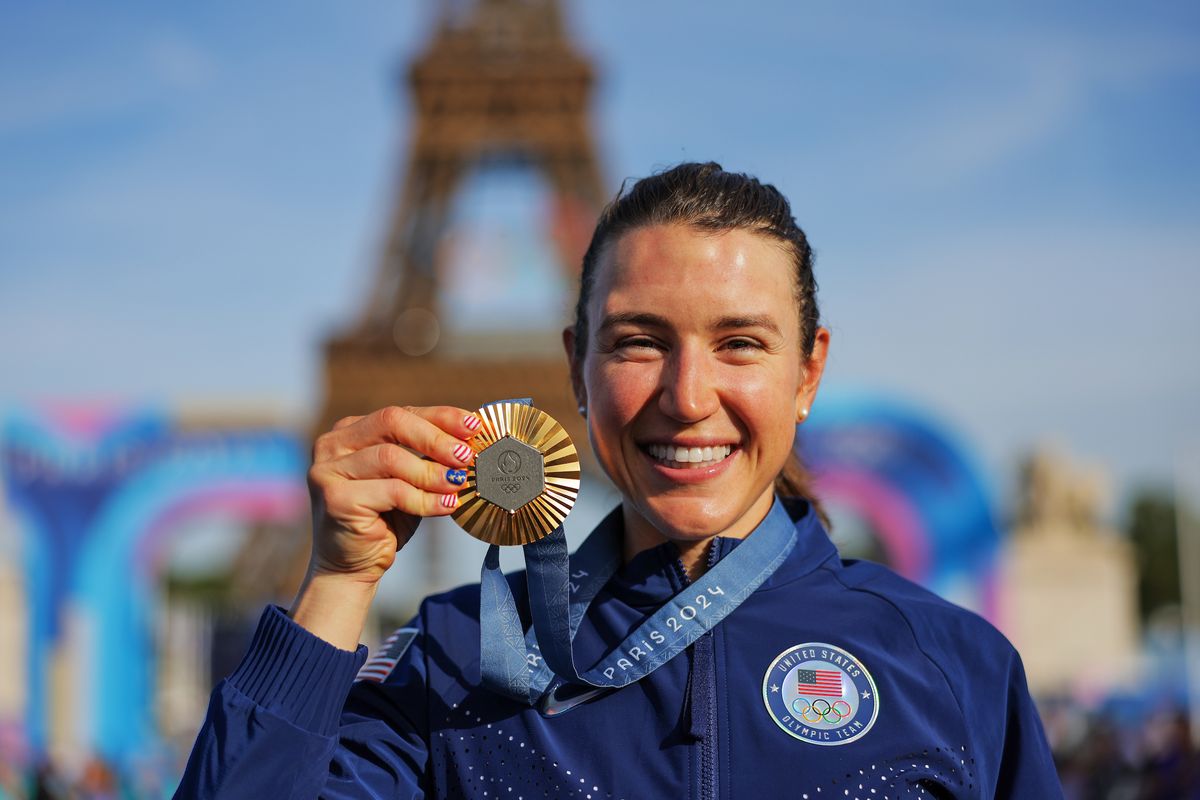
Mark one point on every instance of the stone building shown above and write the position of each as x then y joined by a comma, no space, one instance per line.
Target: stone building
1068,584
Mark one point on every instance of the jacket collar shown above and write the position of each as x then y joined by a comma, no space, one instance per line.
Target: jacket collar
657,574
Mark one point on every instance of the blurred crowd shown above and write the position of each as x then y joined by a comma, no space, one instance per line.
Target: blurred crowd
1115,753
1107,754
95,780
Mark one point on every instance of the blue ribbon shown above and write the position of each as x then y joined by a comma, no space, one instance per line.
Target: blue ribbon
523,664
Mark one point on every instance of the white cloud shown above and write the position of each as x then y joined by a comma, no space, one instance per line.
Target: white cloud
179,62
1003,93
67,91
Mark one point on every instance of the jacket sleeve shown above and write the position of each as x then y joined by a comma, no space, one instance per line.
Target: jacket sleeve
292,723
1027,767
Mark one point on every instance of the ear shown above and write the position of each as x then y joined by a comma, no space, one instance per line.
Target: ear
568,338
810,374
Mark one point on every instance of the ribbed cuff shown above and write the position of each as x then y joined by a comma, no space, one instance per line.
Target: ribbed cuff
296,675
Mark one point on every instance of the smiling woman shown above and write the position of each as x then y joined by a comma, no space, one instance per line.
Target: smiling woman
729,646
733,363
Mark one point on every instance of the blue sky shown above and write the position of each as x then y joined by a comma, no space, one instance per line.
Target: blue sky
1004,202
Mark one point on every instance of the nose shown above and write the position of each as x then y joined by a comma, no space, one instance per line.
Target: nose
688,386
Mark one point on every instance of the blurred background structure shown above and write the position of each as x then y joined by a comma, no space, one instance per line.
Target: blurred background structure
207,258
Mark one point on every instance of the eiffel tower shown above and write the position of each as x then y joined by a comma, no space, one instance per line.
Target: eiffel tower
498,84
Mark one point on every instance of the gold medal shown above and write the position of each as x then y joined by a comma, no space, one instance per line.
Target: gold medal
524,479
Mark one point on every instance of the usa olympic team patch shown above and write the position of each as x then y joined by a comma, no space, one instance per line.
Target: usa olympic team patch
820,694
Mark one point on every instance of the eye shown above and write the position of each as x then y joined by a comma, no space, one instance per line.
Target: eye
742,344
637,343
742,350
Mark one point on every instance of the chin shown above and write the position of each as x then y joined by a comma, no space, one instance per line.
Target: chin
688,519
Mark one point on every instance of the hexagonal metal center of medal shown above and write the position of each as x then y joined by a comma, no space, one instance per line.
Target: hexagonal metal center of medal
509,473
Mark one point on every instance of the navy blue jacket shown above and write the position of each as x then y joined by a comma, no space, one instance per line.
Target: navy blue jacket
949,714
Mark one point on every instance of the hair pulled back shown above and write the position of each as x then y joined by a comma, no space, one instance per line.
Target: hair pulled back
705,196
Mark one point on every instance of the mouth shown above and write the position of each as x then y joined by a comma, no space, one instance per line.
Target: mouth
677,457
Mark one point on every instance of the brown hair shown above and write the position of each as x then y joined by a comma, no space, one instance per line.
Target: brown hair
707,197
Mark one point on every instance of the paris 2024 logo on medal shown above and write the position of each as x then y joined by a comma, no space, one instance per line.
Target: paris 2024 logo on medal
820,694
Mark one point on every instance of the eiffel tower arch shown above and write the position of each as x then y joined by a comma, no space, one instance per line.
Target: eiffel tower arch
498,84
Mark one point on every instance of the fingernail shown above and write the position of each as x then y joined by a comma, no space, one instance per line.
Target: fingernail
471,421
456,476
449,500
462,452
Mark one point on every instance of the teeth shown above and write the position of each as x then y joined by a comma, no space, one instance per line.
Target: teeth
689,455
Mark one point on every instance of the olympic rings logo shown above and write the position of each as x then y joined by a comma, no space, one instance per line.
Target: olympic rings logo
821,710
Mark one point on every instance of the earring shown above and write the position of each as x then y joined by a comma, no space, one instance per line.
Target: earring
802,415
583,411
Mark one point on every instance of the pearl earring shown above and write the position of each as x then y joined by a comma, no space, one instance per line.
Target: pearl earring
803,415
583,411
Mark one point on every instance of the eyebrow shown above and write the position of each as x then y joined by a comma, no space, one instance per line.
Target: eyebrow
649,320
753,321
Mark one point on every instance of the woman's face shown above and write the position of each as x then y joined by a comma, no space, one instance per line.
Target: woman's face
693,375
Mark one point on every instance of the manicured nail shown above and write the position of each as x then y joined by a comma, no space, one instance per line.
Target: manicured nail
471,421
449,500
456,476
462,452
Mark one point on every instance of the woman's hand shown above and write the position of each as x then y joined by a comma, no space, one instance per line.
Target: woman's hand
372,480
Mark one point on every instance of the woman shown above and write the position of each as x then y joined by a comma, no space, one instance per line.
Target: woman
696,350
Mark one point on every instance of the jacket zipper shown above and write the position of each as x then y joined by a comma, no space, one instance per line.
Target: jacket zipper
706,666
702,700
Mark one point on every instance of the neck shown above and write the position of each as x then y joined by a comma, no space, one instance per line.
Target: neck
694,557
641,535
692,553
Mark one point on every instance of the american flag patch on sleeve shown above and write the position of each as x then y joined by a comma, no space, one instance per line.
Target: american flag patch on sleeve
380,665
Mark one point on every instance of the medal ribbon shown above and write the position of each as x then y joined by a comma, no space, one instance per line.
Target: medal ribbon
521,665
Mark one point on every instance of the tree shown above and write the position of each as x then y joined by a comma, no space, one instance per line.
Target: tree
1152,527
